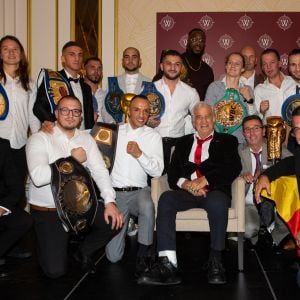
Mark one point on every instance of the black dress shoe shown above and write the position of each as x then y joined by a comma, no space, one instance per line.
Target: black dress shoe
18,252
87,265
2,261
215,271
142,265
264,239
161,273
3,272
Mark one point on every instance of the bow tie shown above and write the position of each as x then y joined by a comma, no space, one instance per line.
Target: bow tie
76,80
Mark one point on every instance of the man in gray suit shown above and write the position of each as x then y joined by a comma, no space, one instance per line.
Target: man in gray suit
256,146
131,80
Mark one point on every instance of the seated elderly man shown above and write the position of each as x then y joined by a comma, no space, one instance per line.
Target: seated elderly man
202,169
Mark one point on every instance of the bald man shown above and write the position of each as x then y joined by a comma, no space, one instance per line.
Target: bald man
249,76
131,80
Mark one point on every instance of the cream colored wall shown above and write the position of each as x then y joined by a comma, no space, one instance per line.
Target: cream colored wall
137,21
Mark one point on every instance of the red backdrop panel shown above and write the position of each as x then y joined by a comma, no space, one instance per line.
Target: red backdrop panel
228,32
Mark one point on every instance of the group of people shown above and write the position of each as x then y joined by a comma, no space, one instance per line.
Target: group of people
187,141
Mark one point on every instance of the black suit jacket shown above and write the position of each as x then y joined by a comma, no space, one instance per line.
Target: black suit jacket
11,185
220,169
287,166
42,108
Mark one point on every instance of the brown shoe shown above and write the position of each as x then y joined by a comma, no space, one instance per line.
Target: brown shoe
289,245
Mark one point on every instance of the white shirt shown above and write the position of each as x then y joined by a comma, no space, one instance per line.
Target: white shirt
43,149
131,82
275,95
248,81
76,88
20,115
130,171
204,155
104,116
177,107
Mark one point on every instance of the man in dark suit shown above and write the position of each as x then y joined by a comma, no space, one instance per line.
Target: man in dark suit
72,56
202,169
14,221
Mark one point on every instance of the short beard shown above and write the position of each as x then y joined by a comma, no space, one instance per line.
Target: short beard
132,70
93,80
172,78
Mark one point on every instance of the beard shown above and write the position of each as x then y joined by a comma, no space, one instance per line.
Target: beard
95,80
172,77
133,69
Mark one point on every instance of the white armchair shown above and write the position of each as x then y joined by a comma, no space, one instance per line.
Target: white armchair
196,219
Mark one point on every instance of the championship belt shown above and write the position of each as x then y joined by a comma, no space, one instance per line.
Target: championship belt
288,106
56,86
106,135
74,194
229,112
156,99
4,104
113,99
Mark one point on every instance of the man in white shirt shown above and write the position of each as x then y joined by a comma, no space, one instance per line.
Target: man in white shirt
131,81
180,99
44,149
249,76
138,154
255,145
270,95
72,56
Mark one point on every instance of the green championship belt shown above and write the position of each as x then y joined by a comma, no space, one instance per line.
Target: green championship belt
4,103
229,112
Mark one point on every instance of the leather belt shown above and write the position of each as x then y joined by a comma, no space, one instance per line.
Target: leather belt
127,189
42,208
169,139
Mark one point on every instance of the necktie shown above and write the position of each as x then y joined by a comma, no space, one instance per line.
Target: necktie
257,170
257,163
198,153
76,80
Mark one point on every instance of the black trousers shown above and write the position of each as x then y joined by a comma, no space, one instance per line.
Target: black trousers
12,228
52,240
168,143
216,204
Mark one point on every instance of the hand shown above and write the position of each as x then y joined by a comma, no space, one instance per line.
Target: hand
248,177
111,210
262,183
47,126
79,154
245,92
193,187
2,211
153,121
134,149
200,182
264,106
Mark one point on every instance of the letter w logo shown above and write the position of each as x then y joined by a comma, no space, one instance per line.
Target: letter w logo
167,23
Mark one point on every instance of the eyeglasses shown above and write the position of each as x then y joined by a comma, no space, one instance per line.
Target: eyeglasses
254,128
296,129
66,111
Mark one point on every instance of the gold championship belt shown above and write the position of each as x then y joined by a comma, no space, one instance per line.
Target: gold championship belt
105,135
289,105
74,194
156,99
276,131
4,103
56,86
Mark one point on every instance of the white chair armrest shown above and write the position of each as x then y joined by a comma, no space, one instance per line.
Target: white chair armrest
158,186
238,201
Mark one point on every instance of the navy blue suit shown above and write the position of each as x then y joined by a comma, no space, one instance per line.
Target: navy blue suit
220,169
